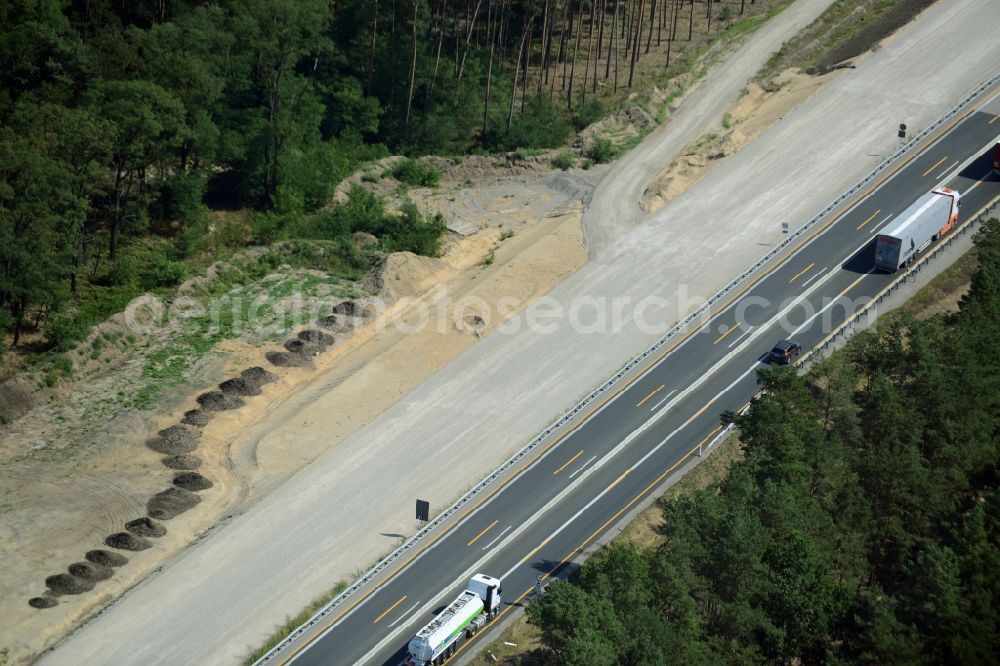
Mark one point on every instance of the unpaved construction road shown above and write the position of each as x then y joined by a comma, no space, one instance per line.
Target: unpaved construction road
229,590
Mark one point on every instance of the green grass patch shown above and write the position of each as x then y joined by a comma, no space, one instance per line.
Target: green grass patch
415,173
564,160
293,622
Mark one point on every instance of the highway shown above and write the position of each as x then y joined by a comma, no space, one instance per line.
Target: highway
583,483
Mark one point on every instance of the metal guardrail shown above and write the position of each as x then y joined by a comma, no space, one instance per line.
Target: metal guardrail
415,541
847,328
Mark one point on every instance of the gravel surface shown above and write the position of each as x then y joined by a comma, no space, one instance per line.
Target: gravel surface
230,589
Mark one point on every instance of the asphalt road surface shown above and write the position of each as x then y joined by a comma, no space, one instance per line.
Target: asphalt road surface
569,496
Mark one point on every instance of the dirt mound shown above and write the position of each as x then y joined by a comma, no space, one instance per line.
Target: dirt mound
333,323
287,359
295,346
489,168
317,338
217,401
196,417
42,602
350,309
68,584
630,122
145,527
171,447
872,33
171,502
175,440
237,386
401,274
192,481
258,375
182,462
106,558
90,571
126,541
15,398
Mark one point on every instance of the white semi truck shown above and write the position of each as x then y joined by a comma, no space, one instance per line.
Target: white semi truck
461,619
930,217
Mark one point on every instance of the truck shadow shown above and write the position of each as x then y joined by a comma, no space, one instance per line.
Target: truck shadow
980,168
862,261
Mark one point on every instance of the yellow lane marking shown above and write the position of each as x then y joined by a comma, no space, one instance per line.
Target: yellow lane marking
801,273
390,609
618,480
516,603
488,528
700,411
654,392
721,337
532,553
941,131
851,286
936,165
565,464
860,226
995,118
645,490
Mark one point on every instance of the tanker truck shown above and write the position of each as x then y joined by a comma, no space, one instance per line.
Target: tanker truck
460,620
930,217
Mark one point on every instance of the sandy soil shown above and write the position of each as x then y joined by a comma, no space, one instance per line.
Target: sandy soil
61,498
751,116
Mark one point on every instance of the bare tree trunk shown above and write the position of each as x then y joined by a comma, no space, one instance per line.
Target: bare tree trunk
562,52
691,21
635,43
371,56
671,29
559,53
437,56
468,40
652,21
600,41
572,69
629,17
708,15
527,62
517,69
491,22
590,50
617,45
413,65
611,39
542,70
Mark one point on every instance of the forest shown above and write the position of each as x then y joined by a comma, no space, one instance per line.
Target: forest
125,123
861,526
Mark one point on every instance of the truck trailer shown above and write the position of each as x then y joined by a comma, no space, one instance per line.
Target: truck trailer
930,217
461,619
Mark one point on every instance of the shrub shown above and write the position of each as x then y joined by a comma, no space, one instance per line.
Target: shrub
417,174
410,231
564,160
602,151
588,114
123,272
6,321
541,125
308,176
180,197
160,271
63,331
63,365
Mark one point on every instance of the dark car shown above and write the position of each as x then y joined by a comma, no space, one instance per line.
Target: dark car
785,352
